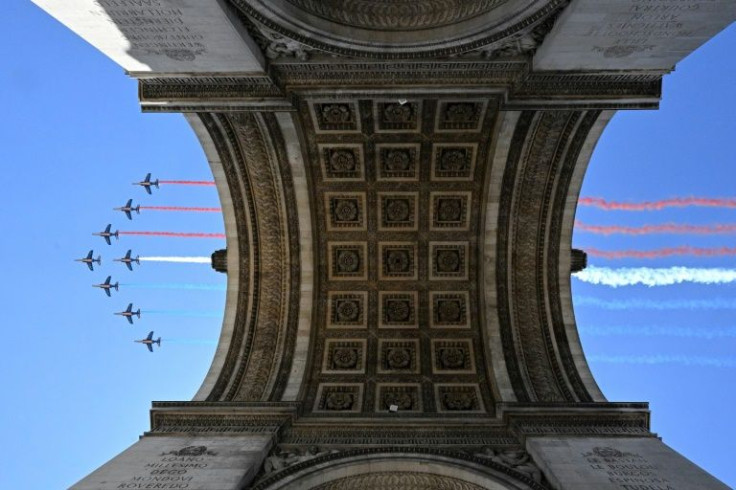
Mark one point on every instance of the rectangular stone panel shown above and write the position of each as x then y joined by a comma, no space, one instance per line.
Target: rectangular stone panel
397,162
405,397
616,463
342,162
397,211
452,161
347,309
398,309
161,36
339,398
460,116
452,356
174,462
449,309
347,261
458,398
331,116
448,260
394,116
398,356
345,211
630,34
344,356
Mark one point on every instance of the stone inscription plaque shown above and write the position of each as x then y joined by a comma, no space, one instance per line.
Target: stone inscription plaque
637,463
191,463
631,34
160,36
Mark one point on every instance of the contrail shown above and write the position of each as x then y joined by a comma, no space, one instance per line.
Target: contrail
173,234
181,260
661,252
656,205
629,276
652,229
186,182
177,285
182,208
661,331
647,304
663,359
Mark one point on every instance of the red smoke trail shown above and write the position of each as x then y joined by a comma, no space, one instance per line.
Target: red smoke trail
179,208
651,229
656,205
186,182
174,234
662,252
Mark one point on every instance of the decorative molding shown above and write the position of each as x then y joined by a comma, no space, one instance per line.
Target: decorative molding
404,480
260,20
392,15
544,151
432,456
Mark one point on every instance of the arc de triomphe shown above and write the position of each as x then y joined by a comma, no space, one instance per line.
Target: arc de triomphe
398,181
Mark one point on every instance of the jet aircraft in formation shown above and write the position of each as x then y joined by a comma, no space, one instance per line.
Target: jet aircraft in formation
148,341
107,286
129,208
89,260
147,183
107,234
128,260
129,313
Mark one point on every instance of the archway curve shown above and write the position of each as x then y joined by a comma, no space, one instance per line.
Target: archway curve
378,468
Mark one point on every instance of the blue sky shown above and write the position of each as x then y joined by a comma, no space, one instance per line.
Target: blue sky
77,390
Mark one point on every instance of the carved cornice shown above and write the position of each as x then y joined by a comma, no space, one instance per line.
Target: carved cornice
512,76
389,434
221,417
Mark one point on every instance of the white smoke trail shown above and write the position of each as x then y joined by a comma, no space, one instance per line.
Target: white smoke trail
648,276
180,260
660,331
662,359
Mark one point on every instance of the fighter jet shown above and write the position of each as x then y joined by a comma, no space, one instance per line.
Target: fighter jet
129,208
106,286
89,260
107,234
128,260
149,341
146,183
128,313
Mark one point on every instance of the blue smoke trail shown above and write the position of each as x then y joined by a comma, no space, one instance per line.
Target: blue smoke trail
192,313
677,304
727,362
661,331
176,285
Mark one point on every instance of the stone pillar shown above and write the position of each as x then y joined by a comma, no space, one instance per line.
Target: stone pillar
183,462
616,463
